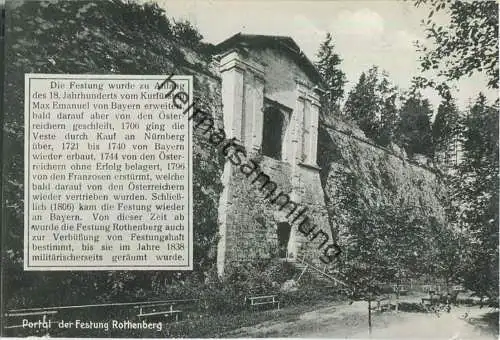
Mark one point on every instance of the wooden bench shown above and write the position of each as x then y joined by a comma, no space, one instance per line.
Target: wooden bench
263,300
44,314
430,289
144,310
427,301
431,301
383,303
400,289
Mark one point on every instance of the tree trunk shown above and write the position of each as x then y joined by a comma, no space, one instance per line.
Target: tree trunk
397,300
369,315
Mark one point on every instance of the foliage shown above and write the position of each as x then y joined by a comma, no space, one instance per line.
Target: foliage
414,130
389,239
372,105
475,196
99,37
467,44
186,34
389,113
328,66
445,256
446,130
390,243
385,244
227,294
362,105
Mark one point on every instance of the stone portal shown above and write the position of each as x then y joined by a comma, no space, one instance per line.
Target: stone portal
270,93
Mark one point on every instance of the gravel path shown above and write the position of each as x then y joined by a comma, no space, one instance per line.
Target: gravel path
350,322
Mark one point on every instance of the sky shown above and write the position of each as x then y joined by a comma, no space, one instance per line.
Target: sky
365,33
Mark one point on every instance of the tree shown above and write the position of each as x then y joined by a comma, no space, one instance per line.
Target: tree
475,192
446,131
362,104
386,243
446,253
328,66
186,34
371,103
467,44
414,130
389,113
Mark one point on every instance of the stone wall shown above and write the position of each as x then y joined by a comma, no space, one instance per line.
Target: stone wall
281,72
250,225
381,176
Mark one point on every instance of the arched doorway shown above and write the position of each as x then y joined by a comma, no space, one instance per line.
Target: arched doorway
283,232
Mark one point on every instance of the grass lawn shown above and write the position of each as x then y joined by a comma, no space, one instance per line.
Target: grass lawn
194,323
218,325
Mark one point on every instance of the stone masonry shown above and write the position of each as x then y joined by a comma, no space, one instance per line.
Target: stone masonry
270,97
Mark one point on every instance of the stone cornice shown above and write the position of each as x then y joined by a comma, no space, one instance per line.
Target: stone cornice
307,93
234,59
313,98
302,89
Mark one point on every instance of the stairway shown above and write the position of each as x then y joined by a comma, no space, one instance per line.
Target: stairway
321,274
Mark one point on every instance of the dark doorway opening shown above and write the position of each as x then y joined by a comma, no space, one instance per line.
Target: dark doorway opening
272,135
283,237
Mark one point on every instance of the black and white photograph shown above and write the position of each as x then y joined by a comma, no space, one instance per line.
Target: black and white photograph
250,169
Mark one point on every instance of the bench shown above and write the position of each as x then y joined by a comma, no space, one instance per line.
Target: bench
458,288
44,314
431,289
144,311
400,289
383,303
432,300
428,301
263,300
451,297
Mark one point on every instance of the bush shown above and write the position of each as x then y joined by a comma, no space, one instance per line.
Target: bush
240,280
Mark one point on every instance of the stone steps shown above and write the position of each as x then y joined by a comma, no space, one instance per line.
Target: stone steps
319,274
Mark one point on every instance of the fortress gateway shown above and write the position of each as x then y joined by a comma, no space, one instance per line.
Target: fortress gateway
270,97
